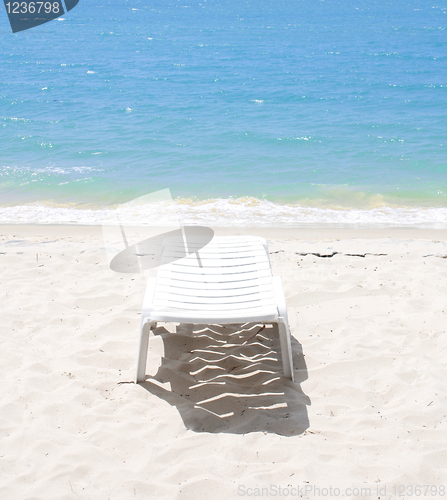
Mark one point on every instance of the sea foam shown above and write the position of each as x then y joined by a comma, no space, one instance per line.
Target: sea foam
228,212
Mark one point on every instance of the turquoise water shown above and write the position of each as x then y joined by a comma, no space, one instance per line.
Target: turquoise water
242,109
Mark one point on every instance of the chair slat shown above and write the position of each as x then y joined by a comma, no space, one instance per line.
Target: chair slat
172,295
213,252
215,289
205,308
205,271
221,263
213,278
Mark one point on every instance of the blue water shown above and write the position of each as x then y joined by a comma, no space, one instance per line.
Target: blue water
297,104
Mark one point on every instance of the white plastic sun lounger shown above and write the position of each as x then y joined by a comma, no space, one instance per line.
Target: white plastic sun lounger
227,281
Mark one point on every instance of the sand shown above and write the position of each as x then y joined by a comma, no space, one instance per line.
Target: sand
365,418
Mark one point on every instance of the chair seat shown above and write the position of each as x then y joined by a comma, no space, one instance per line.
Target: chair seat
228,281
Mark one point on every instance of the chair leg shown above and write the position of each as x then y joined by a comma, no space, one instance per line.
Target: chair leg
286,349
283,328
145,330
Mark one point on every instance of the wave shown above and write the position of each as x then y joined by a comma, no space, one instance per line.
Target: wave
228,212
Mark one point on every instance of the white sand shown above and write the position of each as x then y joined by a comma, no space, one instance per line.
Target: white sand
368,408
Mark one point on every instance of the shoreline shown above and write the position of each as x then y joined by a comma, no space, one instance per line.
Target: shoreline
321,232
230,213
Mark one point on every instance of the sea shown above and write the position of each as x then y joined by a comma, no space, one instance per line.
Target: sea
283,113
